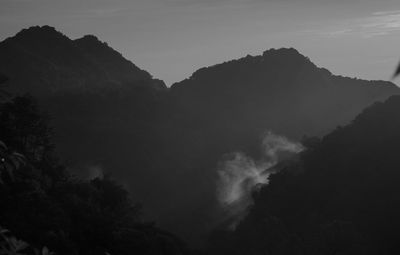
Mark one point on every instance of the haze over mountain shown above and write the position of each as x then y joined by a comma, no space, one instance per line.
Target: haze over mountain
164,143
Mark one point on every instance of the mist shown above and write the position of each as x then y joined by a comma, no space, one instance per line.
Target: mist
240,175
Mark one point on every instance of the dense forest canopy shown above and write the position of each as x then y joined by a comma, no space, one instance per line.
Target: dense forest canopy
46,206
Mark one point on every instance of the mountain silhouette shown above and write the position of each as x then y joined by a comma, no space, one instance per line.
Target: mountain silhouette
341,198
276,90
164,143
42,60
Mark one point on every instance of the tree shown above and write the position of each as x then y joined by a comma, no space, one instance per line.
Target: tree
3,94
24,129
9,162
46,207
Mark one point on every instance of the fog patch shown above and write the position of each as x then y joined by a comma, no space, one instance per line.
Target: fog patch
240,175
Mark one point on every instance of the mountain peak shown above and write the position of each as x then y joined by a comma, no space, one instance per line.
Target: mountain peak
289,54
39,32
59,63
280,60
92,42
282,51
45,28
92,39
109,59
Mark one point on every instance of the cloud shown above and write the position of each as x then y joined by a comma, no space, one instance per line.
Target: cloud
377,24
105,12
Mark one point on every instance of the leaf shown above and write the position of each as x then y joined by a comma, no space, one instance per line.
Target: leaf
9,168
19,156
3,146
397,72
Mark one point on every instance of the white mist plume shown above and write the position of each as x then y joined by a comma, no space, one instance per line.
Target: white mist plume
240,175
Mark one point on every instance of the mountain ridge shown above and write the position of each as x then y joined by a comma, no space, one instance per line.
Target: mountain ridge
59,63
275,54
260,82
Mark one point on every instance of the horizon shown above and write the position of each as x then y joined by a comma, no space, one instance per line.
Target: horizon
343,37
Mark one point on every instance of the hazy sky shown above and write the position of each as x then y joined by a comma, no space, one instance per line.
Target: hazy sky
173,38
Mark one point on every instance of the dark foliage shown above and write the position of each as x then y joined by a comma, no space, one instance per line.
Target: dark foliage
3,79
41,204
343,201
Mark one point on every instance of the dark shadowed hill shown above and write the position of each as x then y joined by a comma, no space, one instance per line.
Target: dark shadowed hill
164,144
42,60
342,198
281,90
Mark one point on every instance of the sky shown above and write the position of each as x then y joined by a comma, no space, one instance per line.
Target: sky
173,38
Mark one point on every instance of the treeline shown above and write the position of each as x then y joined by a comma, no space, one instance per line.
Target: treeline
46,207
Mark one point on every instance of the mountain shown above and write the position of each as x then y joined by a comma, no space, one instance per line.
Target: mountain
340,199
281,90
164,144
42,60
106,112
230,106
